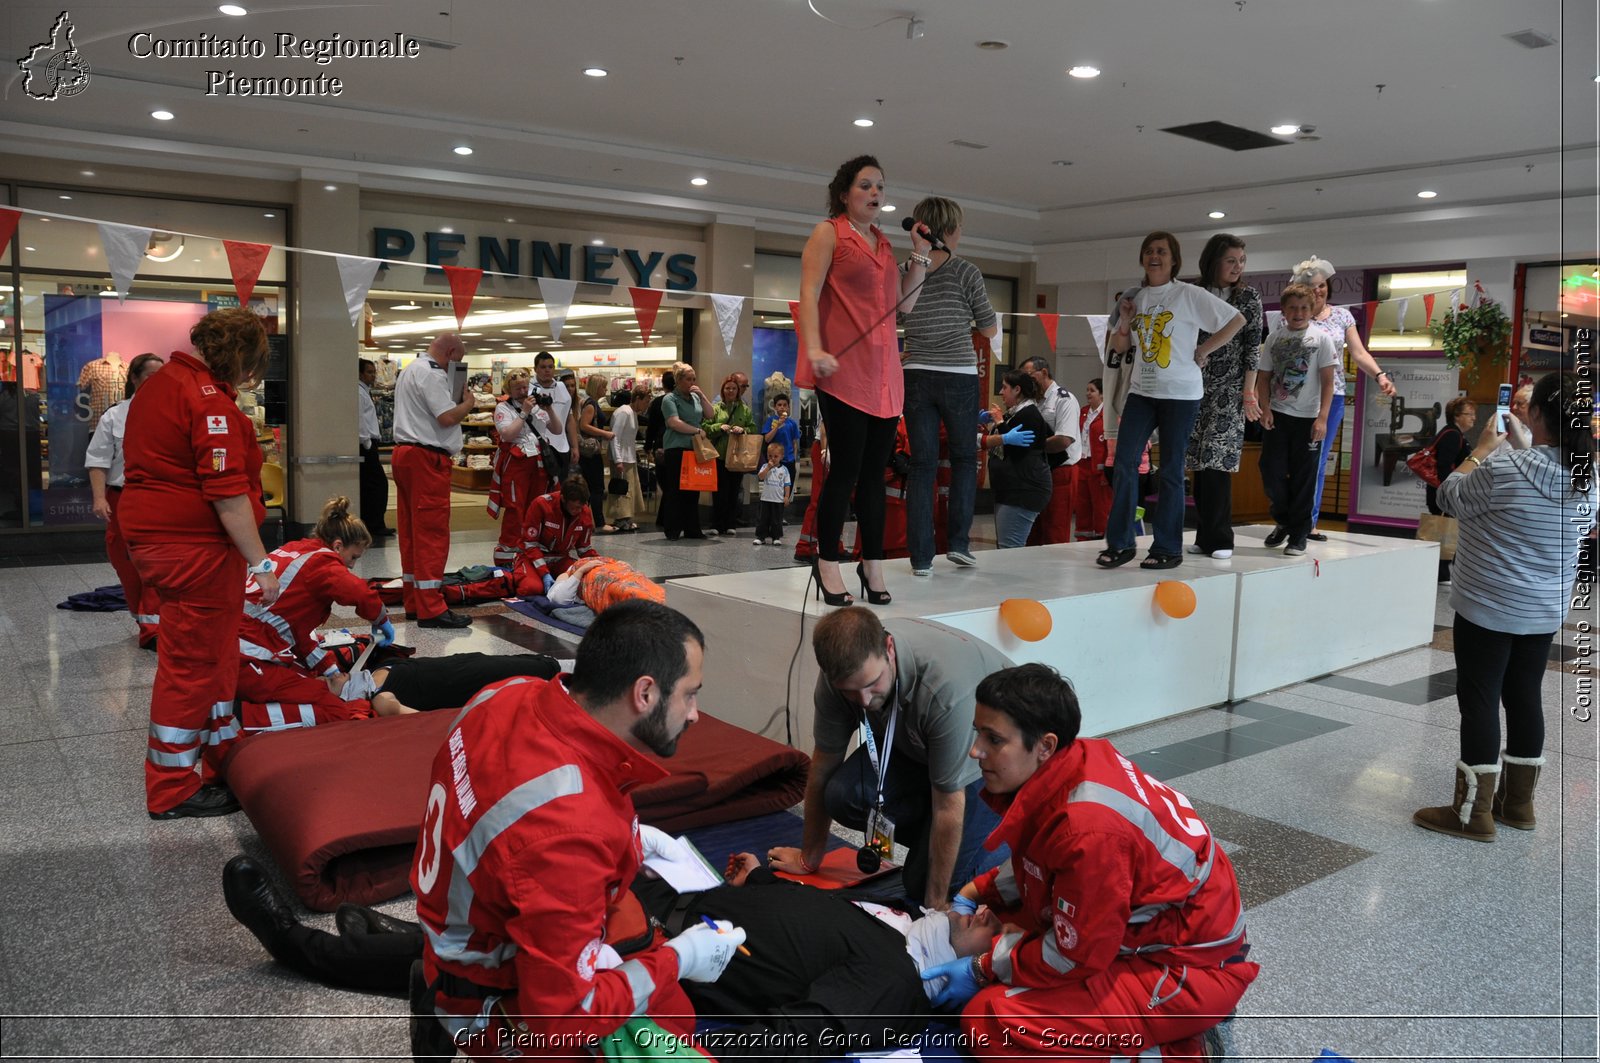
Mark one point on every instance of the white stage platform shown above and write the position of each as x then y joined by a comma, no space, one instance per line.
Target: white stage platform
1261,621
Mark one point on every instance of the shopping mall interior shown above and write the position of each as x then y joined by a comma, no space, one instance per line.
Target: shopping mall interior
636,181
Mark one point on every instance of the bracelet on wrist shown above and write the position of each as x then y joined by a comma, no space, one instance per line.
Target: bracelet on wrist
921,260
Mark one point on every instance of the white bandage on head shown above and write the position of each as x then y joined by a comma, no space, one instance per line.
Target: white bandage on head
928,942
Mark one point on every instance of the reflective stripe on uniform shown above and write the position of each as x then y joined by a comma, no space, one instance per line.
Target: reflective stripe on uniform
147,618
173,736
641,983
1052,954
428,584
188,758
1173,851
1000,958
451,943
1005,884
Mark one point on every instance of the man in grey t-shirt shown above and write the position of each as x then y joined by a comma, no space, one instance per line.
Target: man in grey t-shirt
922,677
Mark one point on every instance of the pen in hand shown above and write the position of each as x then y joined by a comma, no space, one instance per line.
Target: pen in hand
712,923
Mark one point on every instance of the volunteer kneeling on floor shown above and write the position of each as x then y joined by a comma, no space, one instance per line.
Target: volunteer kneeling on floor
1123,916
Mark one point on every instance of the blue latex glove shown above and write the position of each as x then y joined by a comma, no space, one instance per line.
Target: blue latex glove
985,417
961,987
1018,437
549,581
383,631
964,904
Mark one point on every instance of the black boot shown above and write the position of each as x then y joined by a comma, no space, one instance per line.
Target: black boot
353,919
206,801
256,903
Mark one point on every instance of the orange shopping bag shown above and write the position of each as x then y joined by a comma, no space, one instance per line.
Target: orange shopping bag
697,474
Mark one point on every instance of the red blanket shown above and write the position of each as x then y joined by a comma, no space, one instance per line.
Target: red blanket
340,805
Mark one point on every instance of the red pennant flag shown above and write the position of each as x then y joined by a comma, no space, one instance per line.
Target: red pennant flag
245,261
1372,314
1051,323
463,286
646,301
8,227
1427,304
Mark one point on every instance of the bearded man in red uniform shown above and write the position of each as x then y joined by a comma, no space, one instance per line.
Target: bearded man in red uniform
559,532
191,514
529,838
1122,915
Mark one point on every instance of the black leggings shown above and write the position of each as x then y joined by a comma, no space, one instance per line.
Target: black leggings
1492,668
859,446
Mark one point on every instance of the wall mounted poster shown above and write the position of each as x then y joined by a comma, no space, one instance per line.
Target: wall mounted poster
1390,430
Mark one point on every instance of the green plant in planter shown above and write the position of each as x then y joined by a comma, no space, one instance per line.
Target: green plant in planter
1475,335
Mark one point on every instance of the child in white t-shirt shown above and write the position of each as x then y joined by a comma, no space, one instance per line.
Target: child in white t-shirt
776,490
1295,395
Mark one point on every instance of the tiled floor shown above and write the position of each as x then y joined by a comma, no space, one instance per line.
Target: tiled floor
1376,939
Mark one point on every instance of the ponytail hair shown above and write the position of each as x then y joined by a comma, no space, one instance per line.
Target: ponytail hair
1568,415
337,523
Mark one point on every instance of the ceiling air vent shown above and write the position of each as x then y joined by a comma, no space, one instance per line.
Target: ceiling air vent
967,144
433,42
1223,135
1531,39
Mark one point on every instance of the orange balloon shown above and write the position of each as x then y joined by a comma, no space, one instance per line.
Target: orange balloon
1174,598
1027,619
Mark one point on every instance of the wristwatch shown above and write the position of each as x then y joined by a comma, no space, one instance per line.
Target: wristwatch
265,567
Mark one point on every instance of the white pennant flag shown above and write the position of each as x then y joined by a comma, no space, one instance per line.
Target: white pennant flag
355,275
1400,306
125,245
728,308
1455,301
558,295
997,345
1274,321
1098,324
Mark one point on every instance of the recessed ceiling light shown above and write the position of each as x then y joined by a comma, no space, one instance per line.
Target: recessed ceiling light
446,229
1216,214
63,196
162,116
269,214
597,242
1285,130
1426,193
511,220
472,334
232,9
516,330
864,123
405,306
462,149
993,46
87,173
699,182
30,249
330,188
888,208
1085,71
595,71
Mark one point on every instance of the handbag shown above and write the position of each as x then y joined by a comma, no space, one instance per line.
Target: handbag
1437,528
705,450
697,474
1425,463
744,453
588,446
617,486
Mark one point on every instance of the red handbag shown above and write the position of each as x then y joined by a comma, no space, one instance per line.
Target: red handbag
1425,464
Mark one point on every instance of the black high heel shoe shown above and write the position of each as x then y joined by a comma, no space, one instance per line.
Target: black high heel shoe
828,597
872,596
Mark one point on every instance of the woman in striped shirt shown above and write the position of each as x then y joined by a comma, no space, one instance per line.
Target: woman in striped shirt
1523,513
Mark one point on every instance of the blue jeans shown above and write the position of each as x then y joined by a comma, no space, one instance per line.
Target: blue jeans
1173,419
931,398
1335,418
1012,525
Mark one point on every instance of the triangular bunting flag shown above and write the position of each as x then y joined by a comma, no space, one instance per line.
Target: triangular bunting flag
463,286
1051,322
1455,300
1274,321
8,227
1401,306
355,275
1427,305
997,345
1098,325
245,261
125,246
729,308
646,301
558,295
1372,313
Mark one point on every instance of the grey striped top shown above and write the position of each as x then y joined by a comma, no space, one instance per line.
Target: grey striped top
939,327
1521,522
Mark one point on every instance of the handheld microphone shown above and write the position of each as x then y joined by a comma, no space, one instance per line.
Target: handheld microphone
910,225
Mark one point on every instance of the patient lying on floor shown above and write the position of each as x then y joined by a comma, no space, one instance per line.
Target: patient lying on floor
825,974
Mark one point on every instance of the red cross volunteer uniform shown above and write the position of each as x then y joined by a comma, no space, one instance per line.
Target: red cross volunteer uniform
423,449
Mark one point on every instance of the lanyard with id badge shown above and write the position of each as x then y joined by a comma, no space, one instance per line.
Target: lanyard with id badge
880,828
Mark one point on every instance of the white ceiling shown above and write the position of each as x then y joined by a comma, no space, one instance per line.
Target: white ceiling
759,97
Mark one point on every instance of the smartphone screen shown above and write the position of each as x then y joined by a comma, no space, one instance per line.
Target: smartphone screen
1502,407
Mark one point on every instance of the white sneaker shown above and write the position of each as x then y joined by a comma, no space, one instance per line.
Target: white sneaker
1222,555
758,542
922,572
774,542
957,557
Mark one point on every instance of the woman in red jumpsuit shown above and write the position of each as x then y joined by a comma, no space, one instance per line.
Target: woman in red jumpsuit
1094,478
191,514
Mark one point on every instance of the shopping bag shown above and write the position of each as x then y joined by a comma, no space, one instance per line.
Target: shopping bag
1437,528
744,453
705,450
697,474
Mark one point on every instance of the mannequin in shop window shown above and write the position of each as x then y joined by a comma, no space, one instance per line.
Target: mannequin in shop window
101,384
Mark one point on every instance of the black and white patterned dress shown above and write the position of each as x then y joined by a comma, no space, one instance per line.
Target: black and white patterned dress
1218,435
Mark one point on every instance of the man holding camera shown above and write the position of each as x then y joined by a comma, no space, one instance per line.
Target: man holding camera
518,466
559,432
907,689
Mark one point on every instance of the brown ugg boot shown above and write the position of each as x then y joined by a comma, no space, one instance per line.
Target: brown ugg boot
1468,815
1513,801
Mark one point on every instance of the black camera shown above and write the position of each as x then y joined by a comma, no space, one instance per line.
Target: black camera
541,398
